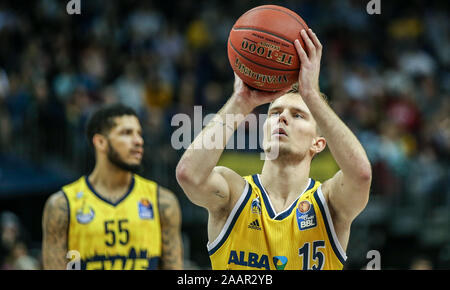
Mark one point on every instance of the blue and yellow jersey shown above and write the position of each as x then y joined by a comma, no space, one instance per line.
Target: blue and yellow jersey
255,236
121,235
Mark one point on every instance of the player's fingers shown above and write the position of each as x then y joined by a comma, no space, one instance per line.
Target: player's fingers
237,81
315,40
236,78
301,52
239,85
309,44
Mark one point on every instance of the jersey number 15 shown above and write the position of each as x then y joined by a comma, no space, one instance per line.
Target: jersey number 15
317,255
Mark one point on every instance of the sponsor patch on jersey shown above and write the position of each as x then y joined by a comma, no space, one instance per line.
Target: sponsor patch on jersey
306,216
85,215
254,225
145,208
256,206
252,260
280,262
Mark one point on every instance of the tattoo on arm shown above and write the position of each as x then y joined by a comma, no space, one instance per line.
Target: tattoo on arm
172,249
55,223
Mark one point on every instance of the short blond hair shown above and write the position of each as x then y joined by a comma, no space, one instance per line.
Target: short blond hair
294,90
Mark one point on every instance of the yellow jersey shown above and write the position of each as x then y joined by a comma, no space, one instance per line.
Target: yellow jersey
121,235
255,236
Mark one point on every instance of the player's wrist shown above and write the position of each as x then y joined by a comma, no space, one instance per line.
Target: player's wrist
311,93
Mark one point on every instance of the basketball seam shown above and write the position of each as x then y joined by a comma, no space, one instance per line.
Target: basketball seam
285,12
259,30
287,70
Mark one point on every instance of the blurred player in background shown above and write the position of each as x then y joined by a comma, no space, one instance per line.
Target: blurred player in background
281,218
113,217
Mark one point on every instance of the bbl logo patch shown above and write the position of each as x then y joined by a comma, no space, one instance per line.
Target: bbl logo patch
306,216
145,209
85,214
256,206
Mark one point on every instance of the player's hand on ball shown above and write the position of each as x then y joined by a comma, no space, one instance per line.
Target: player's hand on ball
252,97
308,78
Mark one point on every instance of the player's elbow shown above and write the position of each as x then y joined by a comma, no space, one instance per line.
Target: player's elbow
365,172
360,174
362,180
184,175
365,181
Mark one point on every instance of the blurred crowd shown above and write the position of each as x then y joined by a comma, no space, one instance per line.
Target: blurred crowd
14,245
387,76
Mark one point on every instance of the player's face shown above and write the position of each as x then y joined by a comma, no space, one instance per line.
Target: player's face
290,127
125,143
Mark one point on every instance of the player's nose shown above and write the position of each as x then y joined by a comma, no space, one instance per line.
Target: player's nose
282,118
138,140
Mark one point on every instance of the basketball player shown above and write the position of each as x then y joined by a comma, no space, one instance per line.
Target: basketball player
281,218
114,218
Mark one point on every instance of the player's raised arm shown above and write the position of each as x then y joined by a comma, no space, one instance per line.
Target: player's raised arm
205,184
348,190
55,223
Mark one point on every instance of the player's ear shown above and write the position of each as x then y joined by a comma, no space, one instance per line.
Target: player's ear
318,144
100,142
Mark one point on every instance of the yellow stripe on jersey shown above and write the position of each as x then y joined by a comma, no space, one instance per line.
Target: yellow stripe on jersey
256,237
121,235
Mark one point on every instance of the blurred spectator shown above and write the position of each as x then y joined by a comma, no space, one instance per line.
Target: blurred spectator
421,263
13,250
10,230
130,87
19,259
4,83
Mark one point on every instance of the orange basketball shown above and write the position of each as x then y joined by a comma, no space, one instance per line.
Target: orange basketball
261,47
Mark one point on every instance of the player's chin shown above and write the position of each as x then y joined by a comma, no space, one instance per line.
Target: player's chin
135,167
279,142
134,161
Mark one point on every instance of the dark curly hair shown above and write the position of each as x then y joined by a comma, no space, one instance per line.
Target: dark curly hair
102,121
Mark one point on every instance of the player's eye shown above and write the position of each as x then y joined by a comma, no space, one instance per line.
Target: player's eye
274,113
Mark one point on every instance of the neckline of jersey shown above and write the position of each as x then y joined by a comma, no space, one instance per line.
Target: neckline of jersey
92,189
269,207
